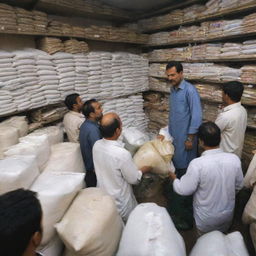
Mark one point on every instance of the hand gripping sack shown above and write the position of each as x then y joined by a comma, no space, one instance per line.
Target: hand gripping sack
56,192
249,214
17,172
65,157
150,154
92,225
150,232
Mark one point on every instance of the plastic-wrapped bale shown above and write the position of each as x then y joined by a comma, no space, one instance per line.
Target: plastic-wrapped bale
249,214
253,233
54,133
53,248
216,243
92,225
17,172
150,231
133,139
250,177
157,154
65,157
55,193
31,145
8,136
18,122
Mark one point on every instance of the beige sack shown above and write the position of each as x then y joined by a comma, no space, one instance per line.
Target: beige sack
91,226
250,177
253,233
249,214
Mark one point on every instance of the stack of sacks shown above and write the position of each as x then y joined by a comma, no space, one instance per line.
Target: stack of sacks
249,95
47,76
150,231
133,139
248,74
66,29
228,4
25,20
7,104
55,192
8,20
17,172
37,146
212,6
78,31
81,69
249,23
25,62
192,12
65,67
40,21
210,111
209,92
230,74
231,50
233,27
54,27
84,47
157,154
161,38
249,47
65,157
213,51
54,134
50,45
73,46
18,122
91,225
249,216
216,29
216,243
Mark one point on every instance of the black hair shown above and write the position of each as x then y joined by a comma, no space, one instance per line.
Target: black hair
175,64
210,134
88,108
107,131
20,218
234,90
70,100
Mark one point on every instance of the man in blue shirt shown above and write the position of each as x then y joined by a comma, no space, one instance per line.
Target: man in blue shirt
185,117
89,134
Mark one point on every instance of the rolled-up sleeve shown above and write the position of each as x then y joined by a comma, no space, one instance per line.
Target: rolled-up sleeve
130,171
188,183
195,110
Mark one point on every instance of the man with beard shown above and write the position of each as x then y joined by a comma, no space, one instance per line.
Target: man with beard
89,134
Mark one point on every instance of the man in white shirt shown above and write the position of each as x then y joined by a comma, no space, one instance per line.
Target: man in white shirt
114,166
232,121
213,179
74,118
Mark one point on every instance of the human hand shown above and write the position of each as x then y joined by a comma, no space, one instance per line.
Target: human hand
160,137
145,169
188,145
172,175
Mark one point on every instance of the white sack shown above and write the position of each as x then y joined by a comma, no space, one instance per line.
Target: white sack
17,172
149,155
236,245
250,177
18,122
8,136
165,132
253,233
150,232
54,134
53,248
249,214
210,244
65,157
133,139
164,148
92,225
55,192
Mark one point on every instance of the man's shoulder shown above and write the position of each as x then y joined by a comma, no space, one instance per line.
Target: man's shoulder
190,87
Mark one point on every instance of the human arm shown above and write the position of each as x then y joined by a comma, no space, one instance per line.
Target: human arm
221,121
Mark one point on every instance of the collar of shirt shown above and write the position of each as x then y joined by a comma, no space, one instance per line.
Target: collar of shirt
76,113
212,151
92,122
181,85
117,143
232,106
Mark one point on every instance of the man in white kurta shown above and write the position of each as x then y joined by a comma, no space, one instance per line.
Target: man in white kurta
114,167
232,120
213,179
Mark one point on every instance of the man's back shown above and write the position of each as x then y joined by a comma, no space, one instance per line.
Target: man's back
115,172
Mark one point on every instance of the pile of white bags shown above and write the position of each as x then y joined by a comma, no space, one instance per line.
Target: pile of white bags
216,243
65,157
150,232
92,225
133,139
32,145
54,134
17,172
55,193
157,154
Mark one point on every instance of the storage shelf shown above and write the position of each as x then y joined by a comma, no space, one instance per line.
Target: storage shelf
202,18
